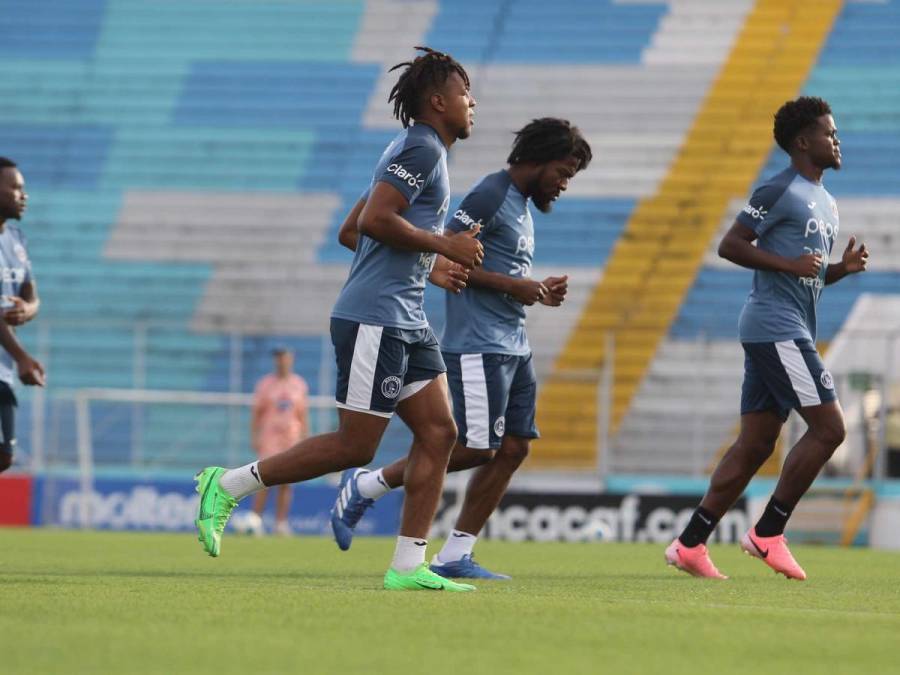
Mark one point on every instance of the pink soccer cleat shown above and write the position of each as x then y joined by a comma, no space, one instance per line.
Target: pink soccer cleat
695,561
774,552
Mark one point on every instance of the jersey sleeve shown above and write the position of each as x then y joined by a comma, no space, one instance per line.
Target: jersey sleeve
477,208
411,170
759,214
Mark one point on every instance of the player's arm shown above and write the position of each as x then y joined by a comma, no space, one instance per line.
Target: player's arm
523,289
348,235
31,371
381,220
737,246
853,261
25,306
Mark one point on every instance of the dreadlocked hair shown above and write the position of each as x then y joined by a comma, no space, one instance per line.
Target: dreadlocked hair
549,139
426,72
795,116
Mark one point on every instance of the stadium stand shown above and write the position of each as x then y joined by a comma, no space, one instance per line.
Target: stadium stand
183,190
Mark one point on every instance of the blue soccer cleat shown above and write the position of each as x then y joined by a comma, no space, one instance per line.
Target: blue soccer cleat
465,568
348,508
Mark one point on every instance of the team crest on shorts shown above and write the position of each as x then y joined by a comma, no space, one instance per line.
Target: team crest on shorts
826,380
390,386
499,425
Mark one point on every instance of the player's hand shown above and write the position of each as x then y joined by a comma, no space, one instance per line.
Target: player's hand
807,265
855,261
463,248
527,291
450,276
557,287
31,372
18,313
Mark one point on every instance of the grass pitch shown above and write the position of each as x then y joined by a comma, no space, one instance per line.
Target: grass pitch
73,602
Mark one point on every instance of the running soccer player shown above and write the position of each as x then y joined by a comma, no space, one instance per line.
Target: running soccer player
19,304
489,361
388,358
794,222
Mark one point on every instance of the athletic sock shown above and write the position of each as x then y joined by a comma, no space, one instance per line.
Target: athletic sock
458,544
699,528
372,485
409,553
242,481
773,520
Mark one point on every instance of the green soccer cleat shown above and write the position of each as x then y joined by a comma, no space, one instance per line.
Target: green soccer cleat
421,579
215,508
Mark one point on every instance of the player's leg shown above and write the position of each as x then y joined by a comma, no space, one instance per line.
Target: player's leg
282,507
811,386
510,385
762,416
362,357
7,425
360,487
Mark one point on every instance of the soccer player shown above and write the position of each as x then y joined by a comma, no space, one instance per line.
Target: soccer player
279,420
388,358
794,222
19,303
489,364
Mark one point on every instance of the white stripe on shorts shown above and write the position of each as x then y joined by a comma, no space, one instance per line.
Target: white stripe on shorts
362,367
797,370
478,419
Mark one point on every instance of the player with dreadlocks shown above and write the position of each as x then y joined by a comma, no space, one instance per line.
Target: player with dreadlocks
489,362
388,358
793,221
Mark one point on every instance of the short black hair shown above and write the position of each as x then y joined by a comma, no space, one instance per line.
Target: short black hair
549,139
6,163
795,116
427,71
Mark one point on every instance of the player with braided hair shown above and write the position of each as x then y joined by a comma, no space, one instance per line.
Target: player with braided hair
388,357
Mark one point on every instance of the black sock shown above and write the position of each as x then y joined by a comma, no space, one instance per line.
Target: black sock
699,528
773,519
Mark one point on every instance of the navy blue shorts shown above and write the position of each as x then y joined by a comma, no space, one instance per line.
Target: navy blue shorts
377,366
7,418
784,376
493,395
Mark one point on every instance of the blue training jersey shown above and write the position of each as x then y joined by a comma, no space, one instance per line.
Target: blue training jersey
791,216
386,285
15,271
480,320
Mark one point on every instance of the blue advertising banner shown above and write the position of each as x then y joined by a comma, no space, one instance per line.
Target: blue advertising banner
171,505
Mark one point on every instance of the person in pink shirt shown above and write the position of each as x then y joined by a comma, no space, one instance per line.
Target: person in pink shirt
279,420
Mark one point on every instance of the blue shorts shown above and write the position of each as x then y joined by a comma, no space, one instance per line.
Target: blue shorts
377,366
493,395
784,376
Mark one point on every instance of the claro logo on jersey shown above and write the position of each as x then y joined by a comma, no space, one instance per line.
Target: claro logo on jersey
755,213
403,174
466,219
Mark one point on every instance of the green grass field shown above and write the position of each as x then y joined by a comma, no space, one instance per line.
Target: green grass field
74,602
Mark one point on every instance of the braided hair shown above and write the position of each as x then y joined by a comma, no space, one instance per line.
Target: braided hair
426,72
549,139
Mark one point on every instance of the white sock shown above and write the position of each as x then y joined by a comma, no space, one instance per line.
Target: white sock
242,481
457,545
372,484
409,554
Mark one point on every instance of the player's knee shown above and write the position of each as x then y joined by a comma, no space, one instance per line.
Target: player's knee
514,450
5,461
439,434
830,434
758,451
